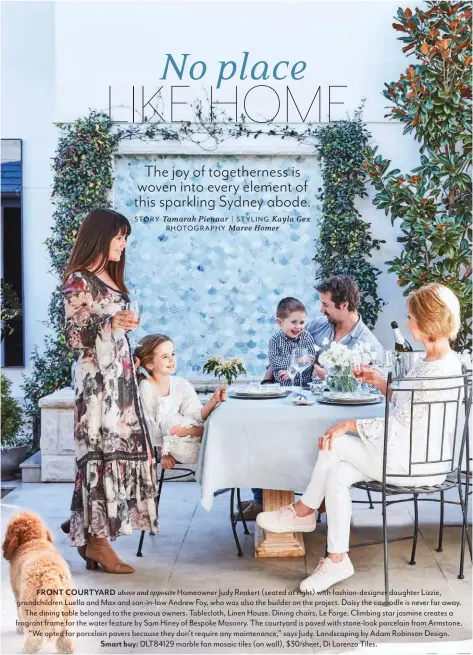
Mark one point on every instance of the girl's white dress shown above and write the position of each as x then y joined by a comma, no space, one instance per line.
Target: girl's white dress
181,407
425,423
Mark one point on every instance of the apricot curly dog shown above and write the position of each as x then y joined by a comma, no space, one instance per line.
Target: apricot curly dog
39,578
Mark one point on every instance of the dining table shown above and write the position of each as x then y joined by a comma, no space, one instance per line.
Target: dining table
268,443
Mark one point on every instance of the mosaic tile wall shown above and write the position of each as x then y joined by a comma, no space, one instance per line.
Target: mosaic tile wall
215,292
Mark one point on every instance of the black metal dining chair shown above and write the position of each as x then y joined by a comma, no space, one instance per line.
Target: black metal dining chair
235,491
185,473
466,474
449,463
467,493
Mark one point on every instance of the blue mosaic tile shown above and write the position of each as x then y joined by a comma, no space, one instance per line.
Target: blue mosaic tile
195,286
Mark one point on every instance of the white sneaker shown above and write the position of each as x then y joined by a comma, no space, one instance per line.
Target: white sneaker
327,574
285,519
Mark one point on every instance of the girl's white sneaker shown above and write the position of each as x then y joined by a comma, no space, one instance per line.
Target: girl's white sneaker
327,574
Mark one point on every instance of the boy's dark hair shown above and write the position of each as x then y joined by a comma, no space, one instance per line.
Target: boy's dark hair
343,289
288,305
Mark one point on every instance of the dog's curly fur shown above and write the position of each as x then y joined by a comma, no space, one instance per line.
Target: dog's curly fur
35,565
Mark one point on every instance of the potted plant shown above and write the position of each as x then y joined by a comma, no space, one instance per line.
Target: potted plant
228,369
14,444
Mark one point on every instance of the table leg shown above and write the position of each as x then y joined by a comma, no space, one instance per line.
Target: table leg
270,544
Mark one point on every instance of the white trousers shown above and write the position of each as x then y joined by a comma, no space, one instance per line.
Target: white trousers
334,473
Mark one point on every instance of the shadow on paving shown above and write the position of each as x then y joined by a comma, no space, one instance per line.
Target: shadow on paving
191,593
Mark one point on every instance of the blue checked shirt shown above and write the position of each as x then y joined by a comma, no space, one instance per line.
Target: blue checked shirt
280,349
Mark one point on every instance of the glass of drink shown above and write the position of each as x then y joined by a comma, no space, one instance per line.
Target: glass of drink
388,363
301,360
135,308
254,383
376,356
292,372
356,368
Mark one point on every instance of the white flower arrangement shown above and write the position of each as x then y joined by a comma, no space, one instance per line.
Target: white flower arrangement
336,355
339,355
338,360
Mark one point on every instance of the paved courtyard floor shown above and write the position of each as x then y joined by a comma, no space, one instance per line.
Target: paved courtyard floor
195,552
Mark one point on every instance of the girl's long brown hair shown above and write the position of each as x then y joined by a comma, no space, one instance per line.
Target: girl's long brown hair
146,347
91,248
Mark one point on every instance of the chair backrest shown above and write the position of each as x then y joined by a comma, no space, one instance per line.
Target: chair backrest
438,428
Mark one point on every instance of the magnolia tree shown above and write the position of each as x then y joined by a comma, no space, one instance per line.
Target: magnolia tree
432,202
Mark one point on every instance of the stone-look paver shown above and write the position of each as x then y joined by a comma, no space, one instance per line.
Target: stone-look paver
194,550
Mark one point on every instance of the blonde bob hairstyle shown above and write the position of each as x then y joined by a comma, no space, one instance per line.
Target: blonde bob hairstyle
436,310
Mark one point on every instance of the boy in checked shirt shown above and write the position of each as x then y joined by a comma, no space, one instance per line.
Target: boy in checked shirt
291,317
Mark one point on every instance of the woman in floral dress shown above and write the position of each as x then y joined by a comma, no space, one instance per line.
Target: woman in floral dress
115,482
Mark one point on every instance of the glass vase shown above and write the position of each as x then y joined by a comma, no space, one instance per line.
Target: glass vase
340,380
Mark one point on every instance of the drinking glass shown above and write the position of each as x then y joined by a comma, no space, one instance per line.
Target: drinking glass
388,363
292,372
355,367
254,383
301,360
135,308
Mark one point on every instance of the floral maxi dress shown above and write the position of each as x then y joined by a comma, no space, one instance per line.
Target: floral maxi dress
115,481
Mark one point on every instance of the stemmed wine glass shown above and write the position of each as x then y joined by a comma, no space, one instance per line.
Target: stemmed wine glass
134,307
301,359
388,363
377,356
382,360
253,382
356,368
291,371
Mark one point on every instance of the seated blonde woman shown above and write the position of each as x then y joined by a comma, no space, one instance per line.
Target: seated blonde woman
352,451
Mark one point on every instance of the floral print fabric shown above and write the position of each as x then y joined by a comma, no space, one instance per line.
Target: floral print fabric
115,484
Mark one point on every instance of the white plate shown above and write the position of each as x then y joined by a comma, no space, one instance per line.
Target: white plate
345,395
349,399
258,395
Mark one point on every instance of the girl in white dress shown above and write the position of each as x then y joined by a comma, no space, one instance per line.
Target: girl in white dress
352,451
174,414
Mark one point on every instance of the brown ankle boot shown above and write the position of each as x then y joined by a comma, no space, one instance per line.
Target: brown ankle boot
100,552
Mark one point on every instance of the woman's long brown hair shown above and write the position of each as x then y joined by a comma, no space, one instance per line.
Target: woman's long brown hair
92,245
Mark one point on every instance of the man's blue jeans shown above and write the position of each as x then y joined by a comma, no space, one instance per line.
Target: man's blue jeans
257,496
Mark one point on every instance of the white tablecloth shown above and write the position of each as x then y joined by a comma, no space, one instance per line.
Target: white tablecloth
270,444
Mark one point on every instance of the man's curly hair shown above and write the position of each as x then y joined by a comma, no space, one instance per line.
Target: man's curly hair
343,289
